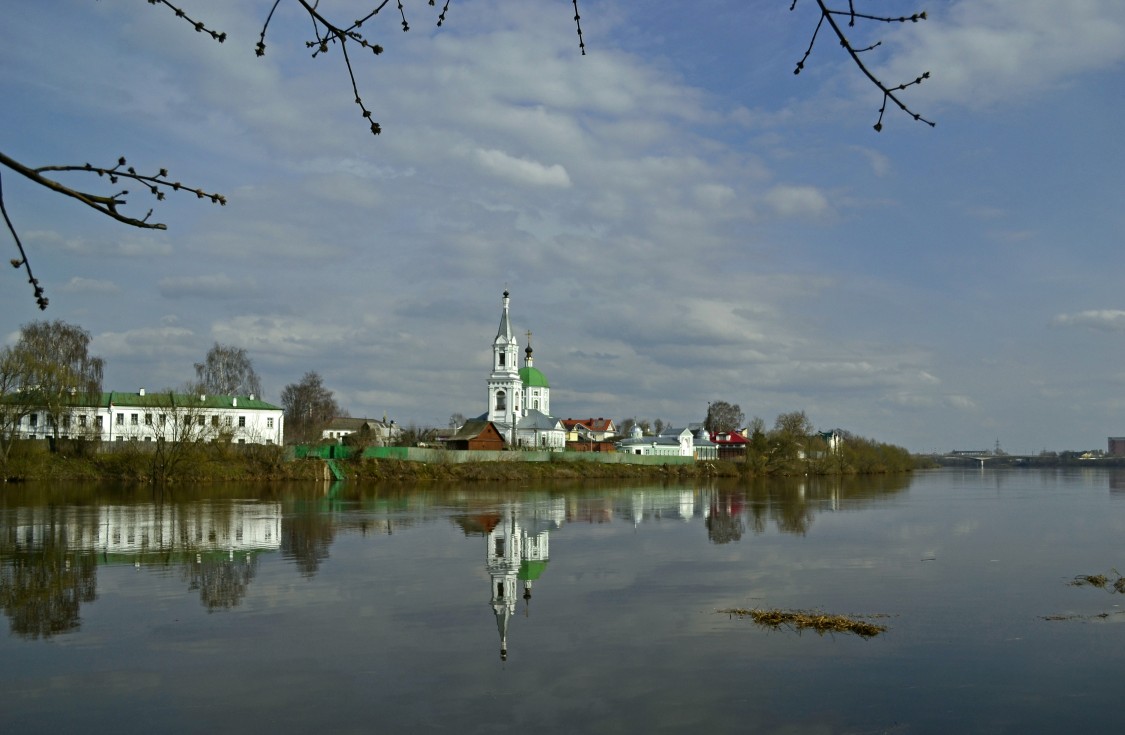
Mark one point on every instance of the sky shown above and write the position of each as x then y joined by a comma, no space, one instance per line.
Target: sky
678,217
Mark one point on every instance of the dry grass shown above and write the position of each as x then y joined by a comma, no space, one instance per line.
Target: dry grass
801,620
1095,580
1095,616
1101,581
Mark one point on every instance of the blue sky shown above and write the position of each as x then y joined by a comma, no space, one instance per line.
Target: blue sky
678,217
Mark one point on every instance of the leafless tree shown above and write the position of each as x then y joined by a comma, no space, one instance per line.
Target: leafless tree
227,371
308,407
182,429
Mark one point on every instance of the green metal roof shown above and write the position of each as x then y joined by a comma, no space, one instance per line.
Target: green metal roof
532,378
165,399
531,570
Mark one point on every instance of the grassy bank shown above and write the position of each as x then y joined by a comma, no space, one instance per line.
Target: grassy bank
215,462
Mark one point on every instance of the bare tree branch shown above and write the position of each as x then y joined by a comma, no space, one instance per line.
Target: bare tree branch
889,92
40,297
157,184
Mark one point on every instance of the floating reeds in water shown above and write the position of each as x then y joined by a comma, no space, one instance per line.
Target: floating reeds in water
1101,581
802,620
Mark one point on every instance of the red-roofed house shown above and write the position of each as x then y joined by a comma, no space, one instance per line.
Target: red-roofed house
584,430
731,444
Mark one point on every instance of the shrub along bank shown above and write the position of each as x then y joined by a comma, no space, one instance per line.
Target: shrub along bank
143,462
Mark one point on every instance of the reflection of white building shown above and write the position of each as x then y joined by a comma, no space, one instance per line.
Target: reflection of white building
518,549
166,531
660,504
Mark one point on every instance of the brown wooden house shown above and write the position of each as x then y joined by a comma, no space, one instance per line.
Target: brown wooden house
477,434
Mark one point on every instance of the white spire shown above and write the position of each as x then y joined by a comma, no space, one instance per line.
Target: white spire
505,330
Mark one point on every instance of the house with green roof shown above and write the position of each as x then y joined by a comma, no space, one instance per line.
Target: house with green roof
148,417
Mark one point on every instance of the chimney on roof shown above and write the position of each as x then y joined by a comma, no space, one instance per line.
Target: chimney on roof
251,396
203,396
142,391
234,401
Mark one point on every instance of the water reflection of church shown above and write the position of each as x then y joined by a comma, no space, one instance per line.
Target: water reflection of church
517,553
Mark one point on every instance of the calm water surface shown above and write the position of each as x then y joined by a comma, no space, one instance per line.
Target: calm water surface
471,609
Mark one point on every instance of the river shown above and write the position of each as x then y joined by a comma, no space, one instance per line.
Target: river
562,608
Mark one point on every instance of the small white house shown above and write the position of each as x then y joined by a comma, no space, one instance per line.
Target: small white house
669,443
382,433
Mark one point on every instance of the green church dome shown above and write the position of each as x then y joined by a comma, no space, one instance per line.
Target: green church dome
532,378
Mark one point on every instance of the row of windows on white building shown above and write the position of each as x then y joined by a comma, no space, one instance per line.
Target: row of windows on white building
128,425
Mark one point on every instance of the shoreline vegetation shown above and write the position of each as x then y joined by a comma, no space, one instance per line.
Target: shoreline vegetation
220,462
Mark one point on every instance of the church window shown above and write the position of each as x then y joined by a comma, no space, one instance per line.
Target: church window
501,400
501,357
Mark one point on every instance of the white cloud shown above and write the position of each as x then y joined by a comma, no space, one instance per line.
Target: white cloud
291,336
77,284
142,342
218,285
522,170
797,201
879,162
1105,320
961,402
986,52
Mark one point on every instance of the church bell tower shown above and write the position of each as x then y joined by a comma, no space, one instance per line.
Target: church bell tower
504,384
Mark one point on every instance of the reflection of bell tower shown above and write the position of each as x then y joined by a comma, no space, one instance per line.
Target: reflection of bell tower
503,561
533,560
516,554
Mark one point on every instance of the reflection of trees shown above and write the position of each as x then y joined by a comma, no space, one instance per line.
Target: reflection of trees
791,503
222,583
41,592
306,538
785,501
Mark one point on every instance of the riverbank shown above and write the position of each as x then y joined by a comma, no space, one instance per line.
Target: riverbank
224,464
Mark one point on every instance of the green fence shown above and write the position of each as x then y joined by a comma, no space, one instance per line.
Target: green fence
458,456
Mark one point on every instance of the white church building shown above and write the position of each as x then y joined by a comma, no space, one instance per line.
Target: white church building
519,398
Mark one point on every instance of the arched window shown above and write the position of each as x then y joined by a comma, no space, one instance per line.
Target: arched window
501,400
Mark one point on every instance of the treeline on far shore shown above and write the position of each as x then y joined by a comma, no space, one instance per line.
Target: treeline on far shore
217,461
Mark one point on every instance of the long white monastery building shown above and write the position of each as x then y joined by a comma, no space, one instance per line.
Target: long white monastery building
148,417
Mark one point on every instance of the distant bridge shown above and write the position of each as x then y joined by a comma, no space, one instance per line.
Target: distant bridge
984,456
